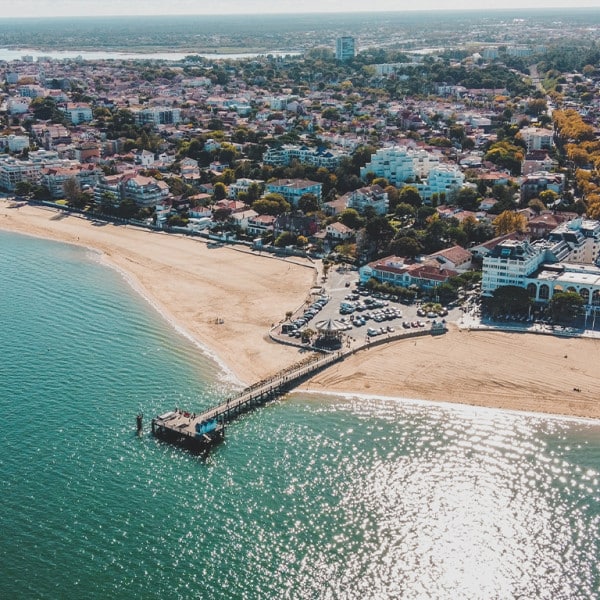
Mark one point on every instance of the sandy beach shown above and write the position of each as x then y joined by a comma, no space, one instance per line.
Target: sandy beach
195,286
223,298
529,372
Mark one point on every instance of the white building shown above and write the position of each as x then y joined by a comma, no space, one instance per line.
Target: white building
549,266
443,179
537,139
78,112
293,189
286,154
399,164
15,143
14,170
18,106
145,191
374,196
510,263
157,115
55,178
243,185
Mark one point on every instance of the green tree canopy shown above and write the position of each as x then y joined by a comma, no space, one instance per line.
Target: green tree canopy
308,203
509,299
350,218
507,155
406,246
219,191
410,195
271,204
565,306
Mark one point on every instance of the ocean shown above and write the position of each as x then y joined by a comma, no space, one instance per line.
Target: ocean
309,497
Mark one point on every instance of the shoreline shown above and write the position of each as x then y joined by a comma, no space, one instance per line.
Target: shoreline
447,405
223,300
514,371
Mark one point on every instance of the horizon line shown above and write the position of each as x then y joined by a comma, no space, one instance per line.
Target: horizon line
308,12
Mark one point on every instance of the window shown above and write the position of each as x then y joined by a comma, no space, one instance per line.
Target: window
544,292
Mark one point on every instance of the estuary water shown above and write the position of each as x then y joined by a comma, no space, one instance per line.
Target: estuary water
309,497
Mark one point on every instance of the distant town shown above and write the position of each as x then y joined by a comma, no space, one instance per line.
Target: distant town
431,162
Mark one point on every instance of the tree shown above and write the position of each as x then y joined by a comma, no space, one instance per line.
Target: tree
509,222
467,198
308,203
72,189
509,299
254,192
107,202
271,204
23,188
45,109
536,205
126,208
406,246
565,306
287,238
350,218
506,155
393,197
306,335
221,214
404,210
410,195
381,182
549,197
219,191
379,232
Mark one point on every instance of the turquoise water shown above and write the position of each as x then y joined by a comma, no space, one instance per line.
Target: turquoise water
310,497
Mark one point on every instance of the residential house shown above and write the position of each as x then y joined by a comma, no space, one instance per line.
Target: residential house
243,185
157,115
534,184
55,178
455,258
145,191
241,219
260,225
338,232
536,138
296,223
404,273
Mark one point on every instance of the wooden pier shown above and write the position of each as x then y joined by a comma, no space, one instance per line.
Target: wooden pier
200,431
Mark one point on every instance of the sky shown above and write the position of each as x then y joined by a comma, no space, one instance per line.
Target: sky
61,8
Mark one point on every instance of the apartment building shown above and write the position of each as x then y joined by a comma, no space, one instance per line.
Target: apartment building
158,115
399,164
319,157
293,189
345,48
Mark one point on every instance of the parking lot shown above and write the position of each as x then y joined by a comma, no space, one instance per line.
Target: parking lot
363,314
